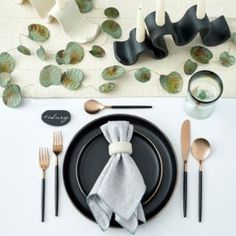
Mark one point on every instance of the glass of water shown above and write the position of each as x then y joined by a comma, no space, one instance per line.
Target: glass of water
204,89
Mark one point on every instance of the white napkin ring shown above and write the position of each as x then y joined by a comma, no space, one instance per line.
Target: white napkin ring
120,147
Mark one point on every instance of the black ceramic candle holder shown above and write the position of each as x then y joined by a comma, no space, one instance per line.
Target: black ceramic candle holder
184,31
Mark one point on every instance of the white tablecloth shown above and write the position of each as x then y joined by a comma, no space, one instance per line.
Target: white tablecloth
14,20
22,133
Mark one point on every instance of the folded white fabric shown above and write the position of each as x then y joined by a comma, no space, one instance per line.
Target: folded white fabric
120,187
67,13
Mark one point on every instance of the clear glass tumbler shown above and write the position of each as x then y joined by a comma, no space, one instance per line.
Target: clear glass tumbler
204,89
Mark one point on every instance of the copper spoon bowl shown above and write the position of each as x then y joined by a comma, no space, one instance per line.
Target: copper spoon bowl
201,150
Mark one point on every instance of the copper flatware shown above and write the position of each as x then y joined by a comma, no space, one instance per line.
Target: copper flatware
185,148
57,149
200,149
44,162
93,107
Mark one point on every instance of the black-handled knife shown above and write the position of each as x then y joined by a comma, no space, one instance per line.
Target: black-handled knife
185,148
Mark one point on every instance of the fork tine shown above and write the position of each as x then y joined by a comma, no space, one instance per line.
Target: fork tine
57,138
61,140
54,138
39,156
48,159
44,157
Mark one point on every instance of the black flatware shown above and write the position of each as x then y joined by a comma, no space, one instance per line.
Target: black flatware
44,164
200,149
93,107
57,149
185,148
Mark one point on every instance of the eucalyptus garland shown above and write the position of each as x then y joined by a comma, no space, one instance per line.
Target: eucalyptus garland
74,53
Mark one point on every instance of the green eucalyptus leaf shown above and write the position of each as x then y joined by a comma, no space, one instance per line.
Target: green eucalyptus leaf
63,57
226,59
111,12
76,52
172,83
143,74
84,5
5,78
7,63
234,37
190,67
72,79
38,33
97,51
201,54
73,54
113,72
12,95
42,53
112,28
24,50
107,87
50,75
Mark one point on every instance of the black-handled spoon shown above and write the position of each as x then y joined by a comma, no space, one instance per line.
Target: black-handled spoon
93,107
200,149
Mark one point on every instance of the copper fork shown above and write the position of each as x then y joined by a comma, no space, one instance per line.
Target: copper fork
57,149
44,164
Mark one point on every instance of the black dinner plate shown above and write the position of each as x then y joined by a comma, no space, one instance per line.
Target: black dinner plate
87,155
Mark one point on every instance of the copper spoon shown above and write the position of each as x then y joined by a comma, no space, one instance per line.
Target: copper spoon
93,107
200,149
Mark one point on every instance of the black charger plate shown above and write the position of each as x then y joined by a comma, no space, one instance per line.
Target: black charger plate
87,155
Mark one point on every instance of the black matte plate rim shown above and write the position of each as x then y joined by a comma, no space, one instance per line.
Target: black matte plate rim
174,160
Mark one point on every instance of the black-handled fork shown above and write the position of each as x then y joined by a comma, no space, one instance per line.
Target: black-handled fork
44,162
57,149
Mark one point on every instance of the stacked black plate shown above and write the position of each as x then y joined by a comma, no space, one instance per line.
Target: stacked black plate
87,155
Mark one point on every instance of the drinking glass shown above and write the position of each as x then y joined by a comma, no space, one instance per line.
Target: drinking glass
204,89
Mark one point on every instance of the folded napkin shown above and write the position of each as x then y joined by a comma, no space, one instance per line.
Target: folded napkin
120,187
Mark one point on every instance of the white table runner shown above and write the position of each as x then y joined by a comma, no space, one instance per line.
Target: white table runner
14,20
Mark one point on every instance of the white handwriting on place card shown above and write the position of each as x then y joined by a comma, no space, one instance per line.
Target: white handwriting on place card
55,116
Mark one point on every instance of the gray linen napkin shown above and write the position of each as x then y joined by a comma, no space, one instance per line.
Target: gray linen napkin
120,187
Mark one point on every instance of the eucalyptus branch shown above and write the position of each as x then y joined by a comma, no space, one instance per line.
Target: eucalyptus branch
180,65
29,85
12,49
230,47
106,39
155,72
128,71
20,36
89,86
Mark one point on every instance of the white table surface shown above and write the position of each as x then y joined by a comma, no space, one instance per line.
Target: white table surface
22,132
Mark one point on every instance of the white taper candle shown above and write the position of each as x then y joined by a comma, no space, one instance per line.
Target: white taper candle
61,3
201,9
140,29
160,12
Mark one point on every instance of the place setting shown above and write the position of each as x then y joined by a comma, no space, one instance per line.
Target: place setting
120,170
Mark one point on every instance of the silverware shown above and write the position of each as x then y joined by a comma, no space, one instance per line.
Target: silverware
44,162
201,150
185,148
93,107
57,149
